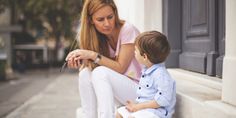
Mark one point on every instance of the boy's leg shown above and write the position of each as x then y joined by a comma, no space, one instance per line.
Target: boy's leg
123,112
118,115
144,114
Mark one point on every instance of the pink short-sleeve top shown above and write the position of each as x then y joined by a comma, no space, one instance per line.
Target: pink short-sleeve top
127,35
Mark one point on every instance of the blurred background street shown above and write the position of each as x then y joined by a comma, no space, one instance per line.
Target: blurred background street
35,37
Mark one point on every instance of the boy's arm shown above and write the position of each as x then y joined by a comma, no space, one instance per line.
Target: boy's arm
133,107
148,104
162,98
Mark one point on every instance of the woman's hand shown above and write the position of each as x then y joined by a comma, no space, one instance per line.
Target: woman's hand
72,62
75,57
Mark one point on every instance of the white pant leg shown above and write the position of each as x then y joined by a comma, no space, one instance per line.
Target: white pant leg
108,85
87,94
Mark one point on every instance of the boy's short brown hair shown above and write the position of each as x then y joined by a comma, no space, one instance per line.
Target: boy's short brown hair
154,44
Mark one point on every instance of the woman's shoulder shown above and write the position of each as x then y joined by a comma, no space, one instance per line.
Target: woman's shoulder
128,28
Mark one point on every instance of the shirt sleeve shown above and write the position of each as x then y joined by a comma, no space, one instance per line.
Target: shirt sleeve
129,34
165,91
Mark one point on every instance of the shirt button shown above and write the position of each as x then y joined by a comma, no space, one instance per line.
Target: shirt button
160,93
139,87
143,76
138,97
147,85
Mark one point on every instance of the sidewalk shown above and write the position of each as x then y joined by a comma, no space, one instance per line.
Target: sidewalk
60,99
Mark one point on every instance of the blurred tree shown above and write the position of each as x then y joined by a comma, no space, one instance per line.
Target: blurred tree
57,17
57,14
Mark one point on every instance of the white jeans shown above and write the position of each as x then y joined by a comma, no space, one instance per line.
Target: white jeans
99,88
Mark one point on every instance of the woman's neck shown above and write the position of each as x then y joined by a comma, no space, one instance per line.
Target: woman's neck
113,38
114,35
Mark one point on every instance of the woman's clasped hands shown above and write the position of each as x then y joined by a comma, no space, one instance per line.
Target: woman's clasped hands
76,57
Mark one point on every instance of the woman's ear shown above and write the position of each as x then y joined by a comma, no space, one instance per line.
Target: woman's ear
90,20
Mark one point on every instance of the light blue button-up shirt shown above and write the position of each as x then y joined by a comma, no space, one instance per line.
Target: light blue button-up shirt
156,84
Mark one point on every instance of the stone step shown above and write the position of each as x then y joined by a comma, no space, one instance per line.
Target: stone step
79,113
199,96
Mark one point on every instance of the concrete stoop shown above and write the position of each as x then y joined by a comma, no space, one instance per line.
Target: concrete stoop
199,96
79,113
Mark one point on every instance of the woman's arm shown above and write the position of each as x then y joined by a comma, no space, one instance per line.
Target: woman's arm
123,60
120,65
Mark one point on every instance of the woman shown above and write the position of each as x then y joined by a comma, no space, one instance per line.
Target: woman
108,70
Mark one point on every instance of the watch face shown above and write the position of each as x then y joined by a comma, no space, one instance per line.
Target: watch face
97,58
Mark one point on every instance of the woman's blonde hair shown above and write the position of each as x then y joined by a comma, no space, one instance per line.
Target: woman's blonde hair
89,37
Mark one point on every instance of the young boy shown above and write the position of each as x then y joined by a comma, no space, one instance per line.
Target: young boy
156,90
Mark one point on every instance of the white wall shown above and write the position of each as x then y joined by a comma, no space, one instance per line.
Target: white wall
229,80
153,15
144,14
132,11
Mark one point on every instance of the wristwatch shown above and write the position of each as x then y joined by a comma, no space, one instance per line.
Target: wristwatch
98,58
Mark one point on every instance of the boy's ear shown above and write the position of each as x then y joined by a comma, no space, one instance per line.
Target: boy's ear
145,56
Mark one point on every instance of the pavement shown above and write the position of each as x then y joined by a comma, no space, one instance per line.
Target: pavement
14,92
59,99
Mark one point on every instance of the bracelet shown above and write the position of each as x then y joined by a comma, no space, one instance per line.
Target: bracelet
97,59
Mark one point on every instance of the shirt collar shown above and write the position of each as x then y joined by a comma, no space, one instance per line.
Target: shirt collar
147,71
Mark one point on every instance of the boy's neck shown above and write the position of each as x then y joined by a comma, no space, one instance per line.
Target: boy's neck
149,64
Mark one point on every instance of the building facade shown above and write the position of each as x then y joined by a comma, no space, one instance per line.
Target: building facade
203,55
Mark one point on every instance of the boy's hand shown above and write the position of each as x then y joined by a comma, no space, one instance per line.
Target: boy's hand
131,107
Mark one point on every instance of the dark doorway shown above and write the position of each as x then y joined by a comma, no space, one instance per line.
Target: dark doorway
200,42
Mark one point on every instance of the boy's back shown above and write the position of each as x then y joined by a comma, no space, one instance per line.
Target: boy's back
157,84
